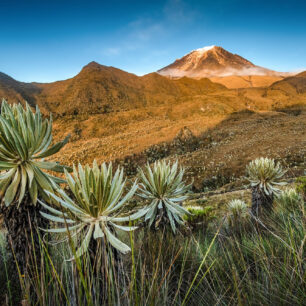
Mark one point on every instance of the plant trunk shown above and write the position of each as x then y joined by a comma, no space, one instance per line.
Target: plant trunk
22,225
107,270
161,221
261,201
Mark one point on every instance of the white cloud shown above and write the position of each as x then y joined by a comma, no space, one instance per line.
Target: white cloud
144,30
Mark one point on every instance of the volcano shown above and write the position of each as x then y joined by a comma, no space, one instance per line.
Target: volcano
213,61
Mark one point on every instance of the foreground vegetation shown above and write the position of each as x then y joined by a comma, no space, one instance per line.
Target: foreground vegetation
108,250
228,263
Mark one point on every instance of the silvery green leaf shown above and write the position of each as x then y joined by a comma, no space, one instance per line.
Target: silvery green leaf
84,246
115,242
124,228
12,189
63,230
98,233
56,219
140,213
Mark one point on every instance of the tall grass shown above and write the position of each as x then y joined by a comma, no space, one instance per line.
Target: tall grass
262,263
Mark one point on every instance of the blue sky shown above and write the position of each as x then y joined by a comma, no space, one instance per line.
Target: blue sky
52,40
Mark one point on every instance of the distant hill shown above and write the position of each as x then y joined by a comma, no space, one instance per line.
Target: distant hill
293,84
13,90
102,89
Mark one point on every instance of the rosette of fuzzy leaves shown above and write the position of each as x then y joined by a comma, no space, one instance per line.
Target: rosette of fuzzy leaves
237,208
237,217
290,200
25,140
95,211
265,174
164,188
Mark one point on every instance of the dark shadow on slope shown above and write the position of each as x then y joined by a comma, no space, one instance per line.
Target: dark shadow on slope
186,145
184,142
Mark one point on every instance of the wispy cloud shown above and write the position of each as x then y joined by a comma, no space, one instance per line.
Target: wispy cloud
112,51
136,35
143,31
179,11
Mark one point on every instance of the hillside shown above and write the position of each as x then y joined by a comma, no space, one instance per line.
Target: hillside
13,90
99,89
115,115
295,84
248,81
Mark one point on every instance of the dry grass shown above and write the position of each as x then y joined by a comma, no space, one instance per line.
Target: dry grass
246,81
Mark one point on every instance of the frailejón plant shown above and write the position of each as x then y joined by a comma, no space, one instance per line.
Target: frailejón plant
290,200
25,140
237,208
164,188
265,176
95,211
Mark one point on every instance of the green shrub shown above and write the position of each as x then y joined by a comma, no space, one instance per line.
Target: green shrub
200,216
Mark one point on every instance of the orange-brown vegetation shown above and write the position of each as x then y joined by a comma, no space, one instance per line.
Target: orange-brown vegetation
112,114
246,81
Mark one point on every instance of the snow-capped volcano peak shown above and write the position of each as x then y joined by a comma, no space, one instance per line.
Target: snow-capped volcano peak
204,49
212,61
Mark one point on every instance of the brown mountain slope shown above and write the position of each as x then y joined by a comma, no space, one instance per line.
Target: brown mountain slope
293,84
247,81
13,90
111,113
96,89
118,134
211,62
243,136
222,147
99,89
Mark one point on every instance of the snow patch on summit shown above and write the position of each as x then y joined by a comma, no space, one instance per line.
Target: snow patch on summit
204,49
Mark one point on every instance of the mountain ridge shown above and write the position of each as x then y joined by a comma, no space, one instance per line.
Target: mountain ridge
101,89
